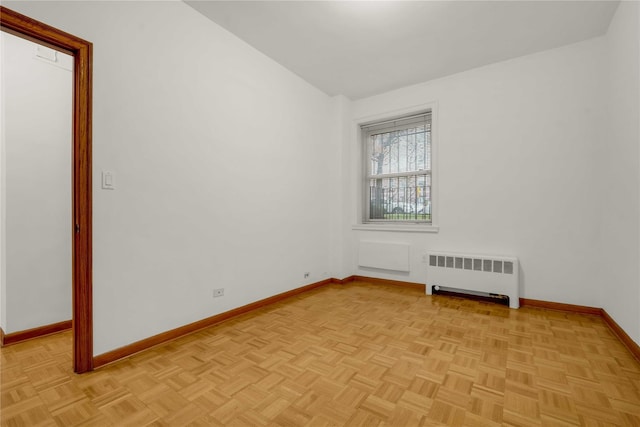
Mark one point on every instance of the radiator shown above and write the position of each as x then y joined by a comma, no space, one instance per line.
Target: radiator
496,275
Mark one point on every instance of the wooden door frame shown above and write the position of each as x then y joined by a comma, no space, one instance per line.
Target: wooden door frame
82,52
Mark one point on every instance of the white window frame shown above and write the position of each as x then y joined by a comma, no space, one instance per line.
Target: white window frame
363,222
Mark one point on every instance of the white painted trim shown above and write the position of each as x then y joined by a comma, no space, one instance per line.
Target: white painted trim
432,105
3,198
402,228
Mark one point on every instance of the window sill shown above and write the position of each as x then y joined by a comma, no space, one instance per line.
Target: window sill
402,228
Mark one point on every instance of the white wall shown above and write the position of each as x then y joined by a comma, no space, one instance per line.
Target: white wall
342,128
226,169
620,277
3,198
518,172
36,130
221,160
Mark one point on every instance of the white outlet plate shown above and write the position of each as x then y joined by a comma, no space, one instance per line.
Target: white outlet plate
218,292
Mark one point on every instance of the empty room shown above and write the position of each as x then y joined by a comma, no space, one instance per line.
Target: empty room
320,213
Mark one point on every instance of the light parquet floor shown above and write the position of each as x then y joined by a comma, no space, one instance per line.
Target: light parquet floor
358,355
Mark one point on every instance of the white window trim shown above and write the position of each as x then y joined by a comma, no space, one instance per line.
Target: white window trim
399,227
360,224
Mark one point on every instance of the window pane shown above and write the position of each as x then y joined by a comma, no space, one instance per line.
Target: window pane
427,137
401,152
411,152
420,150
385,150
393,152
401,198
374,150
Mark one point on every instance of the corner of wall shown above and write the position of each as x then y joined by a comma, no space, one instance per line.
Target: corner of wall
620,203
637,337
342,107
3,288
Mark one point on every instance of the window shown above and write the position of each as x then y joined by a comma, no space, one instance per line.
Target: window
398,170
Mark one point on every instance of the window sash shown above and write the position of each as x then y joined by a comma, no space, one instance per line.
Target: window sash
398,151
399,174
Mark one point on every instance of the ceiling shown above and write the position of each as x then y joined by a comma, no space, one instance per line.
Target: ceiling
363,48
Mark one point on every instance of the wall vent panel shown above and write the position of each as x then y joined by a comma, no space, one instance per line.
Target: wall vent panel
384,256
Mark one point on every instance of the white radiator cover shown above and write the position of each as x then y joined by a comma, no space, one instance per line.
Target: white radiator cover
492,274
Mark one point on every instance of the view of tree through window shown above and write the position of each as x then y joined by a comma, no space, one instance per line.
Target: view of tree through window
399,169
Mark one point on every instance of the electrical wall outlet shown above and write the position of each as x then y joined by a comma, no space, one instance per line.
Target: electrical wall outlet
307,274
218,292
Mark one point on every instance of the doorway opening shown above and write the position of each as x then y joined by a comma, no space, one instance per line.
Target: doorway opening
81,50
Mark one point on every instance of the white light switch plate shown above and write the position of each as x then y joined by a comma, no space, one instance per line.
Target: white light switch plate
108,180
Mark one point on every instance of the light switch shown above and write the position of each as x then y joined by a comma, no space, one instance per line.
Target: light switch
108,180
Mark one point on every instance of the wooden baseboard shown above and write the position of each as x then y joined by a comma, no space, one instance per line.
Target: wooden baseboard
20,336
138,346
342,281
631,345
386,282
571,308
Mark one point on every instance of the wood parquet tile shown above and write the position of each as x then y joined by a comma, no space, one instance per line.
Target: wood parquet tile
357,355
